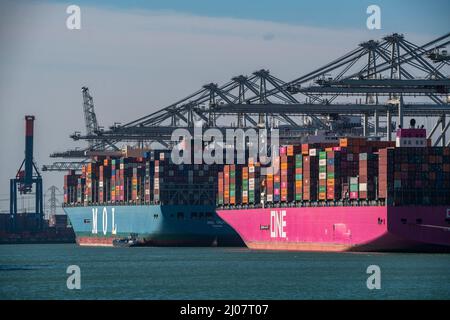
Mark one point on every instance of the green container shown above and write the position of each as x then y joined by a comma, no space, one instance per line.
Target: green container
322,189
322,169
322,155
298,196
245,185
353,188
298,160
331,175
299,177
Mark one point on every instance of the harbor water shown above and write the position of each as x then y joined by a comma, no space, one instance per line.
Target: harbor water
40,272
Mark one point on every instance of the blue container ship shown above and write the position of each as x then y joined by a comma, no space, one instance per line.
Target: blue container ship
151,225
145,199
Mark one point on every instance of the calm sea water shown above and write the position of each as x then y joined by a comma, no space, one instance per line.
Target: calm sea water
39,272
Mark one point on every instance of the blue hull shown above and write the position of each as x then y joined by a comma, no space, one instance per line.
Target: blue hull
168,225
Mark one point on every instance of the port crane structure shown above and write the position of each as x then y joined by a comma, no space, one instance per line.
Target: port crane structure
380,81
26,177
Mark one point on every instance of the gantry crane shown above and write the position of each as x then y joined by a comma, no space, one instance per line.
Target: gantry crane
27,176
92,128
377,81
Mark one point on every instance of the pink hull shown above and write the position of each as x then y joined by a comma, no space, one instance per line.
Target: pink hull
372,228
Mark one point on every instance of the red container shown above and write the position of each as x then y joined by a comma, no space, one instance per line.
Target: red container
354,195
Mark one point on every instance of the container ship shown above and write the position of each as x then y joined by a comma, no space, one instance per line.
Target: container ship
354,195
145,199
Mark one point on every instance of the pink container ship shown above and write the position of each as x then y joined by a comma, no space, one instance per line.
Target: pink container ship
366,228
354,195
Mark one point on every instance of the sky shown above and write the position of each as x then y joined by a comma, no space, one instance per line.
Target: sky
139,56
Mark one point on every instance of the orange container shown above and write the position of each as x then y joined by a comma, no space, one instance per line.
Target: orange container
305,148
245,173
290,150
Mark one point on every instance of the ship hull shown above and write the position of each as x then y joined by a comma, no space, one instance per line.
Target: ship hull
335,229
151,225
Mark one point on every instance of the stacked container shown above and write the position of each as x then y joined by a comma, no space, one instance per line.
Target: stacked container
334,191
368,173
386,174
80,189
156,182
91,188
233,184
149,172
101,184
354,188
276,179
310,175
298,177
322,175
226,176
70,187
254,173
134,183
112,182
125,174
245,185
139,180
356,170
287,175
220,188
421,175
104,182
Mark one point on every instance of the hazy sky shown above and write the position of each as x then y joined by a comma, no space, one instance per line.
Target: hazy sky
139,56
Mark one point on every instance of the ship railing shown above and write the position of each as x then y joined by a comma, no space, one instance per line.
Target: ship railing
111,203
300,204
